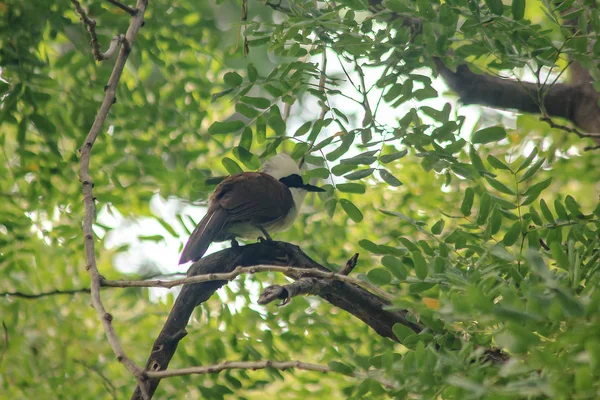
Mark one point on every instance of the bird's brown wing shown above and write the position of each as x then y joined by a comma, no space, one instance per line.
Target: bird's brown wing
255,197
251,197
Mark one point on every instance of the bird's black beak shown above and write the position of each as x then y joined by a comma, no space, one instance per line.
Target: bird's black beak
312,188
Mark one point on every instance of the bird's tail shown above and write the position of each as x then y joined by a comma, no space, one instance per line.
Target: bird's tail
204,234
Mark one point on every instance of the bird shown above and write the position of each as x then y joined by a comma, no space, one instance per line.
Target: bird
249,204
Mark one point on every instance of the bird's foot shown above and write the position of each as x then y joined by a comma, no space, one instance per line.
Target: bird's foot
267,237
234,243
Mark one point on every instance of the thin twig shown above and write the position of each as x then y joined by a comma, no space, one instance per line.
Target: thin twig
88,197
124,7
107,383
254,365
228,276
91,27
54,292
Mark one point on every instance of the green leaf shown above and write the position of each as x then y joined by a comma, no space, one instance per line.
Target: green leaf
496,163
573,207
246,111
360,159
538,187
512,234
420,265
246,139
518,9
387,158
249,160
252,72
499,186
370,246
526,162
319,173
351,210
342,169
299,150
488,135
475,159
395,266
560,210
43,124
484,209
438,227
425,9
388,178
531,171
303,130
495,6
218,128
535,216
361,173
467,202
546,211
347,140
402,332
351,188
233,79
258,102
231,166
276,122
379,276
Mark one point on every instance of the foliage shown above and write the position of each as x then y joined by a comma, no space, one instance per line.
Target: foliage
484,226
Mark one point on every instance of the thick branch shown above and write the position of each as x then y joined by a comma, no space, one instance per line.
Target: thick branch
575,102
88,197
368,307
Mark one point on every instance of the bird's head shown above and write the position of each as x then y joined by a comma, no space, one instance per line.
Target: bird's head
283,168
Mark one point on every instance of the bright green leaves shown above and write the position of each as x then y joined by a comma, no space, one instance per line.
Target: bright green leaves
467,202
386,158
233,79
231,166
518,9
351,210
495,6
351,188
489,135
499,186
395,266
420,265
218,128
389,178
512,235
379,276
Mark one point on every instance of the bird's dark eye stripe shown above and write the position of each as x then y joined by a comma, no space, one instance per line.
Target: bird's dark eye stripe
293,181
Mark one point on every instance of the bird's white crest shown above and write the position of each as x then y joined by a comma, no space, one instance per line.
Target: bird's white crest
280,166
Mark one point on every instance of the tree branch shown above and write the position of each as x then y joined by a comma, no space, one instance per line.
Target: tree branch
124,7
575,102
366,306
290,271
88,197
254,365
54,292
91,27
